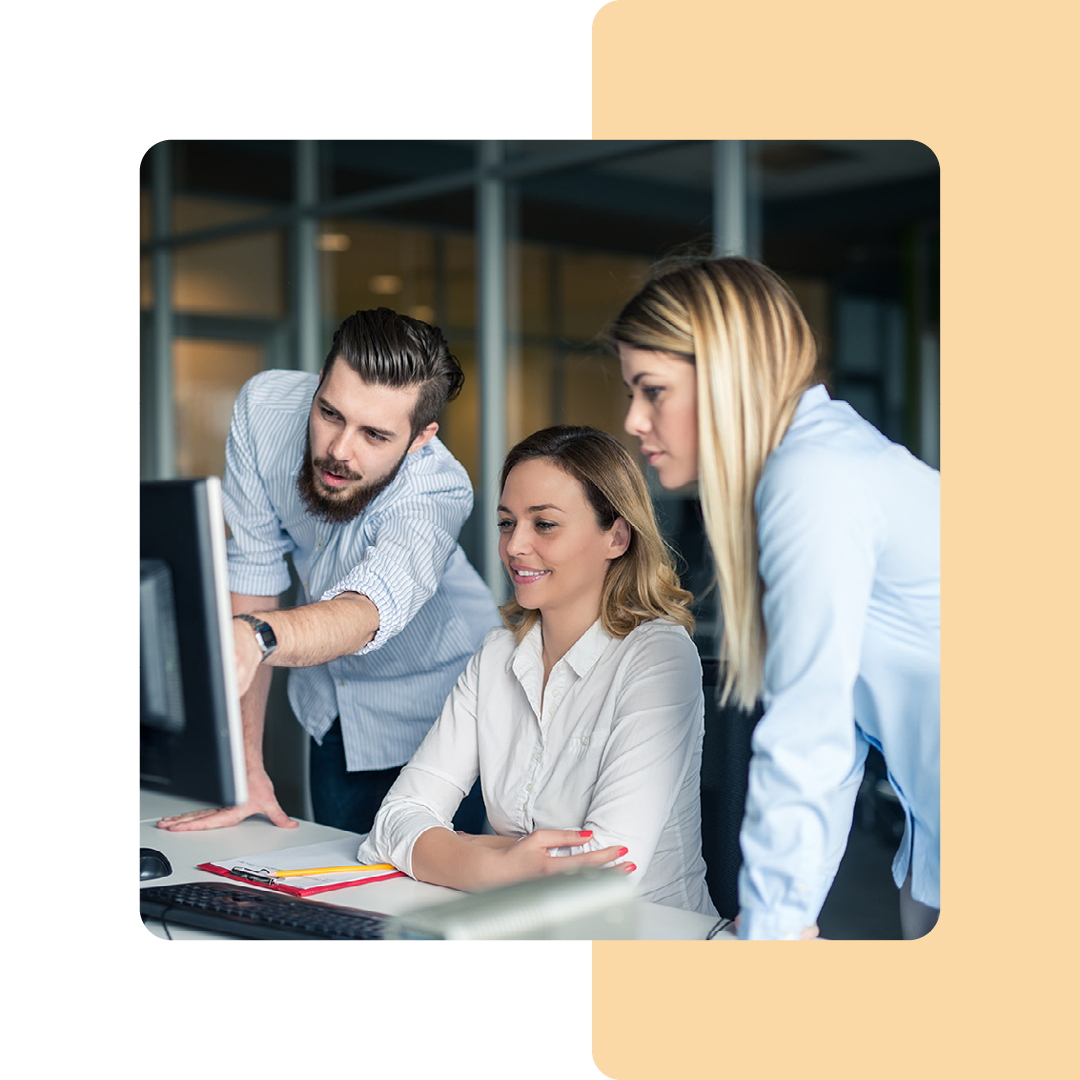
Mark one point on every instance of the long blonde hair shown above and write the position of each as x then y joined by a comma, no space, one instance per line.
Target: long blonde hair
641,583
754,353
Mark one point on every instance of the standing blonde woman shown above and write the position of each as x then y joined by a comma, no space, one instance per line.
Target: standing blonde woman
583,716
826,542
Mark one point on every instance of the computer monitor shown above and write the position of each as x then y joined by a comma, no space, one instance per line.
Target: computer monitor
190,735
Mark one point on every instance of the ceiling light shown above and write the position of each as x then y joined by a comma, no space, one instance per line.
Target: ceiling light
330,241
385,284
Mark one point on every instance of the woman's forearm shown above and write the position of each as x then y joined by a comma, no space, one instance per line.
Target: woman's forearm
472,863
458,860
488,839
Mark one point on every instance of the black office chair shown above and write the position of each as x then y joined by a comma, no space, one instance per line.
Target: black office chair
725,770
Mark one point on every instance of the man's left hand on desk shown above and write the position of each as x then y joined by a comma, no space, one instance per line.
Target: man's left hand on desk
261,800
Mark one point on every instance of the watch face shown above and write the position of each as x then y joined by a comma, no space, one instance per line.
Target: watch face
264,634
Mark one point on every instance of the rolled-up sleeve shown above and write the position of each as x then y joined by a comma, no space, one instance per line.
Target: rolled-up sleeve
818,544
409,542
430,787
258,544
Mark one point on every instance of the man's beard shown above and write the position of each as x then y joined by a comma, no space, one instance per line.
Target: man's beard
337,511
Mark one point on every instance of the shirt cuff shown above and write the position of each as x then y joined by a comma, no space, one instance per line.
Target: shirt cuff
395,832
760,926
379,595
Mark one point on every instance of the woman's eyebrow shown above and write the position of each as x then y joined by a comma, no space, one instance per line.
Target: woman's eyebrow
534,509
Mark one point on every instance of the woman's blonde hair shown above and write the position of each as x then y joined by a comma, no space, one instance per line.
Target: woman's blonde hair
754,353
641,583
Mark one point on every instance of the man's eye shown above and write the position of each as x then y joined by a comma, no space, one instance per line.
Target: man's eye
376,437
329,414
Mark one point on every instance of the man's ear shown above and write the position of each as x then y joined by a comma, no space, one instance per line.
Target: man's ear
423,438
620,538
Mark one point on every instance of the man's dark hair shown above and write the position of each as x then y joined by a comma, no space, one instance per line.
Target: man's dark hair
389,349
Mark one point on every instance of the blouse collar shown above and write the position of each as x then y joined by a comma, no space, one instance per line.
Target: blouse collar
581,656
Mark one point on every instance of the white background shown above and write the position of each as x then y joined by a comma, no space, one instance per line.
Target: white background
89,88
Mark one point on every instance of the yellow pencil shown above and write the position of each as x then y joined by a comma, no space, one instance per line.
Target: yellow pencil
332,870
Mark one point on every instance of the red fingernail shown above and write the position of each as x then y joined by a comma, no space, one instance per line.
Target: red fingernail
585,832
623,851
629,867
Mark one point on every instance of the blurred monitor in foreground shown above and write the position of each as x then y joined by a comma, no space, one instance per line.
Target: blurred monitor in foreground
579,905
190,738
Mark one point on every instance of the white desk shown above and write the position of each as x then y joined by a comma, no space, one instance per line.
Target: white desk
186,850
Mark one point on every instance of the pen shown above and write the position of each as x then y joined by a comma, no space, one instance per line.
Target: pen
332,870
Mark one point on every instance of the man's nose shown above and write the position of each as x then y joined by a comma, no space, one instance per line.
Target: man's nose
340,446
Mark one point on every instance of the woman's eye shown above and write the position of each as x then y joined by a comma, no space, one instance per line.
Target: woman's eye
651,392
504,526
543,526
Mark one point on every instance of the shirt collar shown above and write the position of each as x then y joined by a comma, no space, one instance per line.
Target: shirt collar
588,648
581,656
812,398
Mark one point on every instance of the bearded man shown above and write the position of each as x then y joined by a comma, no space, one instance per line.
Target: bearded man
343,471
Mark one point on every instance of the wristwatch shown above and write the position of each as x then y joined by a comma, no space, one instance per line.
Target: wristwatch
264,634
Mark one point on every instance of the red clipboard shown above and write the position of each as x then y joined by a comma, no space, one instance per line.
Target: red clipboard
347,883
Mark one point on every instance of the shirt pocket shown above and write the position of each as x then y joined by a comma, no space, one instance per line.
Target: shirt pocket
581,758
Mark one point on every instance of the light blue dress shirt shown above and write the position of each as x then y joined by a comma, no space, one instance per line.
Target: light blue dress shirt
849,555
401,552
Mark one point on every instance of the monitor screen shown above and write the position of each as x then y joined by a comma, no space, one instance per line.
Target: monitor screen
190,736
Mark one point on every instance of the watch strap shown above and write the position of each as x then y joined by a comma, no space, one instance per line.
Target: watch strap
264,634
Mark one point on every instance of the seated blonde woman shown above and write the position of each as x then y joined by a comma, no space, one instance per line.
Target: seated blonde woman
583,717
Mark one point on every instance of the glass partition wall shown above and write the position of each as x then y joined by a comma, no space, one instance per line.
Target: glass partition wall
522,252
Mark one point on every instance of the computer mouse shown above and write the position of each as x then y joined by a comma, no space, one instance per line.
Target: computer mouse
152,864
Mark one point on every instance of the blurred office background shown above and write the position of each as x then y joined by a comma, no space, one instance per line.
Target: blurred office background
522,252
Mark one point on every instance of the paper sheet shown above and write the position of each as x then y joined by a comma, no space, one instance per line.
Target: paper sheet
340,852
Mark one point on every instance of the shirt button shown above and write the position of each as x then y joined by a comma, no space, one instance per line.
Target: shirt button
341,683
539,757
585,740
528,787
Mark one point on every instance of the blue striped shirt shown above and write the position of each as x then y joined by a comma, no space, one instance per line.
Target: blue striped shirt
401,552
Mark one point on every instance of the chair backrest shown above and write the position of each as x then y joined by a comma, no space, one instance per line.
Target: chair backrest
725,769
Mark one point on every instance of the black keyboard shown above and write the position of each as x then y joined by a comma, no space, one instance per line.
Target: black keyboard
256,913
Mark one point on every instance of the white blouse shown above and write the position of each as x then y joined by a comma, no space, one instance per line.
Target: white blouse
615,747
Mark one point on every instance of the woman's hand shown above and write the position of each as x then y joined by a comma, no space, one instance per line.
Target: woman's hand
473,863
530,856
809,933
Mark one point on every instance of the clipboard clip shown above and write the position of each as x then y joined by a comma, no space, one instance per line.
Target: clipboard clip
248,873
